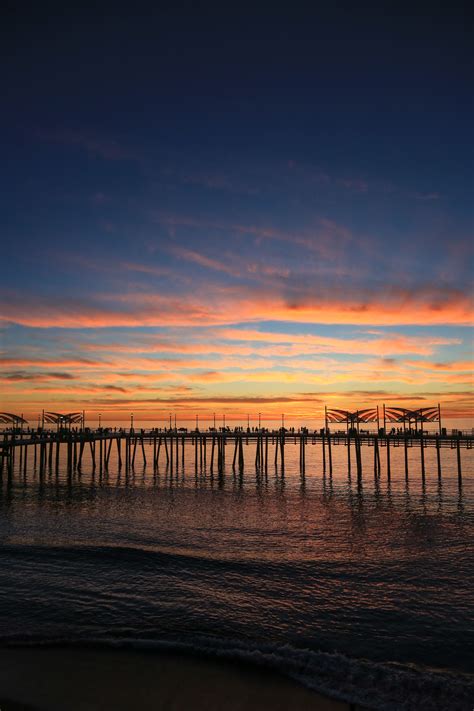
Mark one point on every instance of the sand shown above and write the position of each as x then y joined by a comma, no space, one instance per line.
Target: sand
89,679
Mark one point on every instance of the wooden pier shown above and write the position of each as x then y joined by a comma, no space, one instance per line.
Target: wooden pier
169,447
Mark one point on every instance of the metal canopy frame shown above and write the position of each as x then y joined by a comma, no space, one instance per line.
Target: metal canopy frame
352,420
63,419
412,417
8,418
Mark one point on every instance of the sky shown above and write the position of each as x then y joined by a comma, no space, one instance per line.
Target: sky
242,210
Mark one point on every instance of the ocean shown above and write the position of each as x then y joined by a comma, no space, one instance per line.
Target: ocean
361,588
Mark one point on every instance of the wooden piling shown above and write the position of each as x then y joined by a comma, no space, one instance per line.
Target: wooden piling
11,458
376,456
458,453
42,457
235,453
438,456
108,453
219,454
212,452
405,444
25,460
81,451
134,451
358,456
422,455
241,455
387,440
160,443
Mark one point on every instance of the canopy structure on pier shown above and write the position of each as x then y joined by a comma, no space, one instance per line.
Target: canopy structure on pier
8,418
63,420
352,420
412,418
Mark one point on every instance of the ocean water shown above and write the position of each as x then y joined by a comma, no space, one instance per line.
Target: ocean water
361,588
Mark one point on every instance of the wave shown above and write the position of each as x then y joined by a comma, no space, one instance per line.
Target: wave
141,555
382,687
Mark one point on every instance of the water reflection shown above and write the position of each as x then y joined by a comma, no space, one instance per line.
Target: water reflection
360,492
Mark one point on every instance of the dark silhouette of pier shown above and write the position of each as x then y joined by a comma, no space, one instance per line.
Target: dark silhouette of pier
210,448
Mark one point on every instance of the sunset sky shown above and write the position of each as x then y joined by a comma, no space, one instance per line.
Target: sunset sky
236,211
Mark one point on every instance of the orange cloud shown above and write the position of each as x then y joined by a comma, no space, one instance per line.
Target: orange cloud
224,305
308,405
383,346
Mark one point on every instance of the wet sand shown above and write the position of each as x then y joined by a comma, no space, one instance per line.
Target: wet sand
89,679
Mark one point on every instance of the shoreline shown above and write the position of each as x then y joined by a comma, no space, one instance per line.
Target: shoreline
44,679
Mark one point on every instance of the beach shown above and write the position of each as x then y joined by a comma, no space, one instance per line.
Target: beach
78,679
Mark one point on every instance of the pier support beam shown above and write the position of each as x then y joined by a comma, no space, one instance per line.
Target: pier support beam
422,456
388,456
458,453
438,456
329,453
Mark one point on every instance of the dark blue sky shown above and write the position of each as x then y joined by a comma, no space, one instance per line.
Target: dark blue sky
377,88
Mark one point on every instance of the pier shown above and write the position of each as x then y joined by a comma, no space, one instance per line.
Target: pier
256,449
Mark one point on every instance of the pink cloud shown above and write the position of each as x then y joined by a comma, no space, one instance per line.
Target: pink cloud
203,261
219,305
325,239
